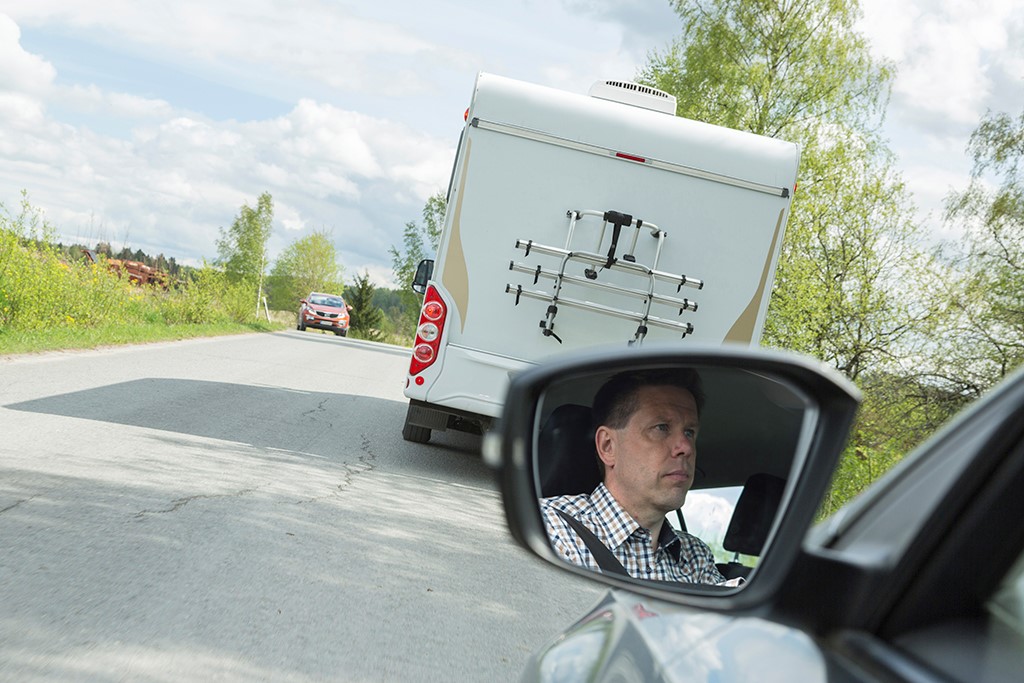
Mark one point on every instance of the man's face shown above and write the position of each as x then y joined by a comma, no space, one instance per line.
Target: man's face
649,463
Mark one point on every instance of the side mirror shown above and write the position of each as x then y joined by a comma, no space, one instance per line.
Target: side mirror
764,443
348,307
424,271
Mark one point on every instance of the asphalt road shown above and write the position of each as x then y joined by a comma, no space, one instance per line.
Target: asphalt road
245,509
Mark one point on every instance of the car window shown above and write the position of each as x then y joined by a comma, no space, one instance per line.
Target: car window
707,513
977,647
1007,605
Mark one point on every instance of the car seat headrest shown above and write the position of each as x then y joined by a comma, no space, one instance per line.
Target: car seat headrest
567,460
755,511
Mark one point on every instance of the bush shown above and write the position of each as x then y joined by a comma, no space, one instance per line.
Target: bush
39,290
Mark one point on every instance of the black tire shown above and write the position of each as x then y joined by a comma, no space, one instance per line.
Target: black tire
415,433
301,327
341,333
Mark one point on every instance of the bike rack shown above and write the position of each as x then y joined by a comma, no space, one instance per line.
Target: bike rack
599,260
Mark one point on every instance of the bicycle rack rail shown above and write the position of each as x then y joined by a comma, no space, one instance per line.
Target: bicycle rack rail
597,261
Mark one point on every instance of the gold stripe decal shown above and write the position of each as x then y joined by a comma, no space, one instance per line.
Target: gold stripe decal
743,329
456,274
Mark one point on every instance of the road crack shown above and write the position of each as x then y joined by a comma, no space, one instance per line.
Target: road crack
16,504
179,503
364,463
320,409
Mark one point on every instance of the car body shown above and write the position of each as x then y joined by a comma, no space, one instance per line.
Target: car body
920,578
324,312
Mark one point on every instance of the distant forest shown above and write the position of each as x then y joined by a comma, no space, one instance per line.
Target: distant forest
76,253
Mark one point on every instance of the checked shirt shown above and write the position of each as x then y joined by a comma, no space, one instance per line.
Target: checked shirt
679,556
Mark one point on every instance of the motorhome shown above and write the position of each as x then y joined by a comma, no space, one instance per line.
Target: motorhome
581,220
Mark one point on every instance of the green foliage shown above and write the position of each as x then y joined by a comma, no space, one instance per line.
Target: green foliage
854,286
986,270
242,248
774,67
898,413
397,311
39,291
43,293
798,69
365,318
419,242
309,264
208,296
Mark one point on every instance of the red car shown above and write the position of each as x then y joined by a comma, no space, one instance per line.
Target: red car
324,311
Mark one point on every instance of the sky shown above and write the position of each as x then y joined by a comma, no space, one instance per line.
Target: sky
150,124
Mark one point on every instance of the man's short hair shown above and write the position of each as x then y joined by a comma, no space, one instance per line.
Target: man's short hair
616,400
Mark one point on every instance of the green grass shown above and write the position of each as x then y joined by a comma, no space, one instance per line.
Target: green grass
67,338
50,303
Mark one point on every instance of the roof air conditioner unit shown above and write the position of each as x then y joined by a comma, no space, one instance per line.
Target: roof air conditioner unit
634,94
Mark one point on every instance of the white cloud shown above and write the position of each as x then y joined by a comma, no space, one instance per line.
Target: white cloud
888,24
22,72
380,275
179,176
944,50
289,216
21,111
321,41
321,133
955,60
707,515
366,103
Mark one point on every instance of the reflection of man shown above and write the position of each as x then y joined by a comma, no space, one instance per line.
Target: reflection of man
646,440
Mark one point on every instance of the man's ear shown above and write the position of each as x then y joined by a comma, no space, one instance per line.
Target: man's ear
604,442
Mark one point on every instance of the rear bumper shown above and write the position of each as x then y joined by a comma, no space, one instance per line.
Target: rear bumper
466,381
439,419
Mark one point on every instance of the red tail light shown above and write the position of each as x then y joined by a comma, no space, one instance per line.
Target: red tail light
428,334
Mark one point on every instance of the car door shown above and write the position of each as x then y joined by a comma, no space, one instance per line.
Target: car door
922,578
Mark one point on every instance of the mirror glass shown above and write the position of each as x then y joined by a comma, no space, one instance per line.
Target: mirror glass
424,271
668,473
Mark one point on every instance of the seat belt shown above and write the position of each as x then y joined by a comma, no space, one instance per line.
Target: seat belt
604,558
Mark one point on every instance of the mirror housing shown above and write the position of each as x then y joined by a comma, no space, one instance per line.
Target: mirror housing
424,271
829,404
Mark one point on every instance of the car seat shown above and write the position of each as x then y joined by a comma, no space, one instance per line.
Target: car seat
751,521
566,458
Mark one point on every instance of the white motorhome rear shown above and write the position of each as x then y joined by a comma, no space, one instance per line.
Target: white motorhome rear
575,221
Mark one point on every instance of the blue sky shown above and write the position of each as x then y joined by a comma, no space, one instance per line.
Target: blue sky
149,124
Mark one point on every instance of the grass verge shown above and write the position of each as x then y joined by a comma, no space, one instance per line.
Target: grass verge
60,338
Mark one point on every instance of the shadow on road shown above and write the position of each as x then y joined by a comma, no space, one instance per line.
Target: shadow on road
290,558
321,424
